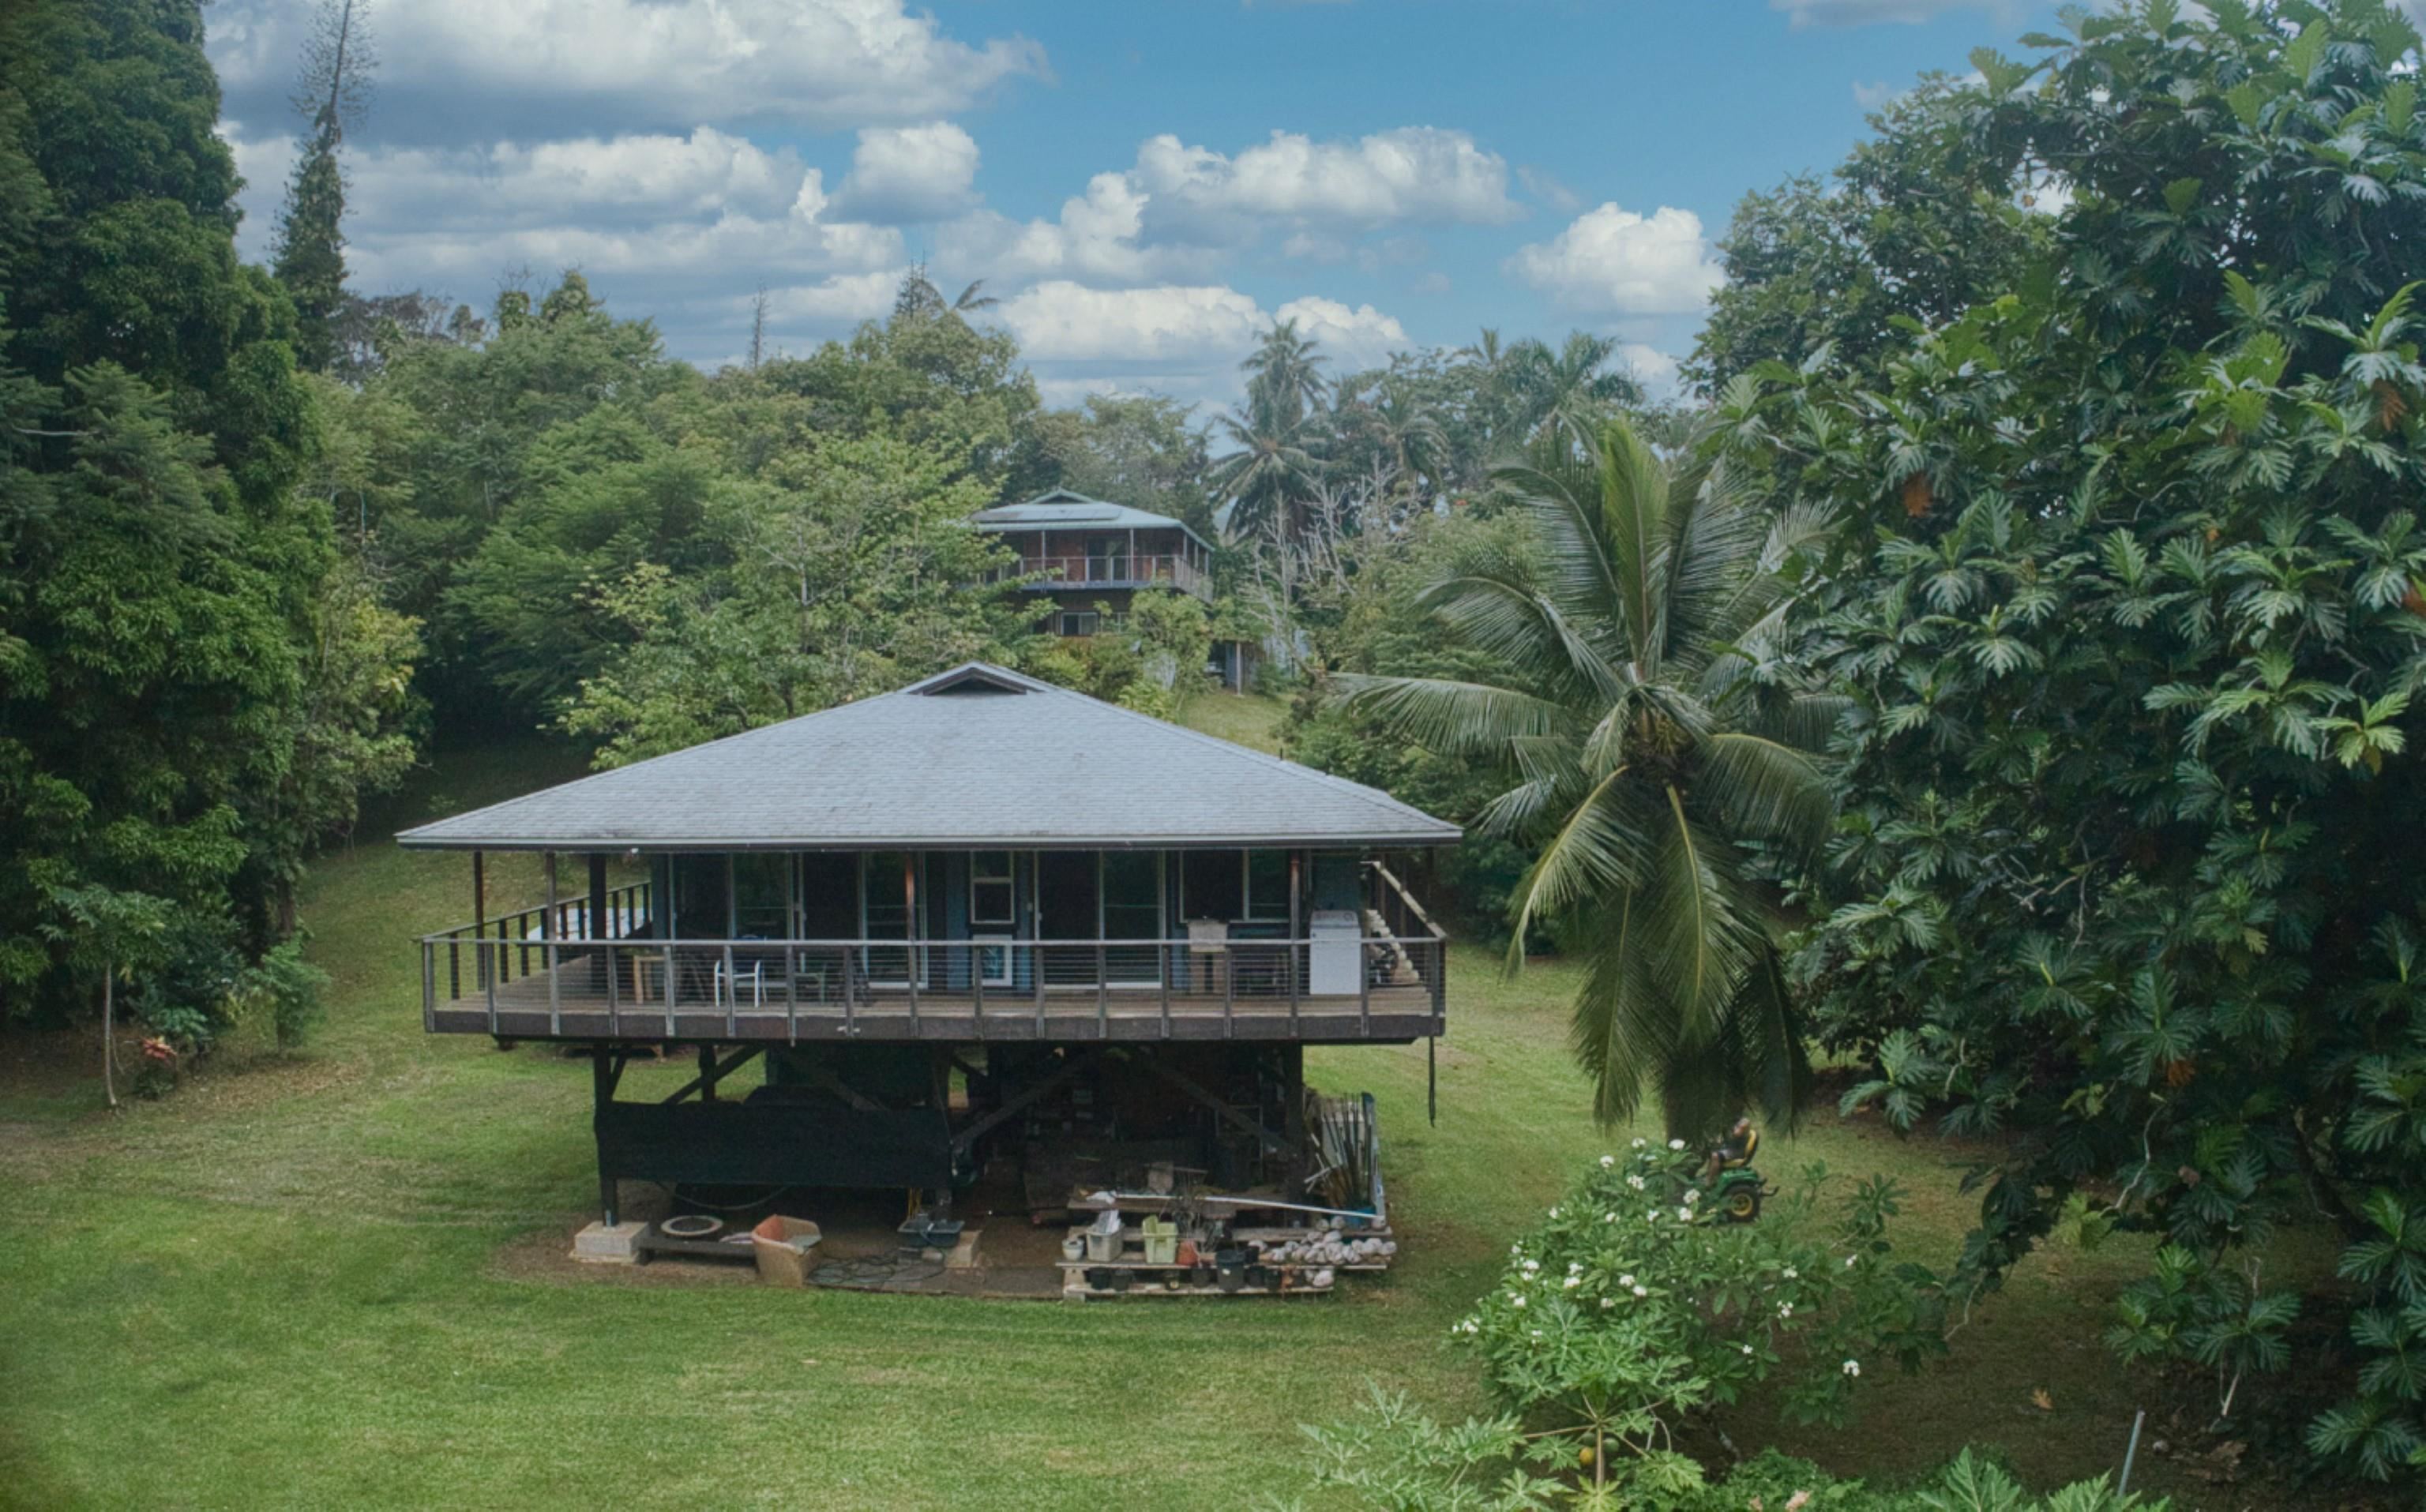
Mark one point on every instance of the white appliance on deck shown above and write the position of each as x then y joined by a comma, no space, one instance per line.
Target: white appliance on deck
1336,953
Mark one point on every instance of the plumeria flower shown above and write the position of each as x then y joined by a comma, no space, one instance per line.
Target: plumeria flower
1638,1143
1747,1349
1573,1282
1791,1274
1851,1261
1607,1303
1676,1144
1627,1279
1852,1367
1532,1265
1652,1216
1554,1212
1635,1181
1692,1194
1642,1291
1517,1301
1786,1309
1684,1214
1537,1333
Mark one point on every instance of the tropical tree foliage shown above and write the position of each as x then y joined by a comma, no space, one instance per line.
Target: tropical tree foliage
2129,593
194,686
1637,699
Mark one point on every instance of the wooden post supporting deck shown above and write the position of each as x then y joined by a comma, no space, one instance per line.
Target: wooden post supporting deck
550,927
1293,1119
598,920
601,1092
1296,930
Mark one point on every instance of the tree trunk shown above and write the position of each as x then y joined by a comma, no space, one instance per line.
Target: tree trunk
109,1034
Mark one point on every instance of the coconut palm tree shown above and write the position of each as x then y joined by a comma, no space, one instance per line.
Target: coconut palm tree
1569,389
1274,468
1653,735
1285,373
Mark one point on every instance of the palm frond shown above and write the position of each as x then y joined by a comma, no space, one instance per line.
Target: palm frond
1592,853
1621,1029
1451,716
1505,619
1693,924
1765,789
1634,503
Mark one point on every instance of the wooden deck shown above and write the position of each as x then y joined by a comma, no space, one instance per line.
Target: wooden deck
571,1007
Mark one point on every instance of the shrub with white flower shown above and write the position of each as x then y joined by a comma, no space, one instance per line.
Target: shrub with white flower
1653,1323
1655,1320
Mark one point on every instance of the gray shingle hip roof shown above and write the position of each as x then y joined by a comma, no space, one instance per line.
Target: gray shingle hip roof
1062,510
974,757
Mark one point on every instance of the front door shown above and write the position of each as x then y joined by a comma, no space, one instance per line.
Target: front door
1068,909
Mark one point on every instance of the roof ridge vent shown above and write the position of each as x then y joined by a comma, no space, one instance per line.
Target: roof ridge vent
968,680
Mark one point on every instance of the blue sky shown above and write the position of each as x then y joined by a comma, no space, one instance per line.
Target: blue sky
1142,183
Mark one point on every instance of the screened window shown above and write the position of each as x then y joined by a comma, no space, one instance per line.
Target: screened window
1268,884
1079,622
990,890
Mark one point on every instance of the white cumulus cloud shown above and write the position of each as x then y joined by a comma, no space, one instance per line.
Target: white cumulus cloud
1651,367
900,174
1411,175
457,70
1612,260
1869,12
1183,340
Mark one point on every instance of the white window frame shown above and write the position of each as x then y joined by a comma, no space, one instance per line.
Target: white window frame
1009,916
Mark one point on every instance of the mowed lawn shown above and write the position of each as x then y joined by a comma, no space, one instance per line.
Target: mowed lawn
330,1279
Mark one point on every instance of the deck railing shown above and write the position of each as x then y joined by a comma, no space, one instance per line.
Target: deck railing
549,958
1121,571
649,987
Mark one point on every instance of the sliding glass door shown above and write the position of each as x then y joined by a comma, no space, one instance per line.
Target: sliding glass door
1085,896
890,884
1132,893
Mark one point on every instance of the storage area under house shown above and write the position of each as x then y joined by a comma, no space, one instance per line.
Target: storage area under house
990,987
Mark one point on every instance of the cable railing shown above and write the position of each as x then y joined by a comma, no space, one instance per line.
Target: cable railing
1119,570
688,987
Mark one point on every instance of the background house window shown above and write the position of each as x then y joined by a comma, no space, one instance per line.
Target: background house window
1078,621
990,890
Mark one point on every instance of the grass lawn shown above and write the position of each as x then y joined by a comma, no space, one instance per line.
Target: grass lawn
310,1283
1247,718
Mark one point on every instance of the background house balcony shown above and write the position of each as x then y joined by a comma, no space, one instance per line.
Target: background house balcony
1086,574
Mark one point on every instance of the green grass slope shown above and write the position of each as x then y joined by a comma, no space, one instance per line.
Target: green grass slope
331,1279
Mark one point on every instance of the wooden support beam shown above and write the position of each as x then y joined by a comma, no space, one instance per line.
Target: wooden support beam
1025,1098
1252,1128
711,1071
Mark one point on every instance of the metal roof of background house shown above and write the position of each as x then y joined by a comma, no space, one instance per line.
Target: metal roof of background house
1062,510
976,756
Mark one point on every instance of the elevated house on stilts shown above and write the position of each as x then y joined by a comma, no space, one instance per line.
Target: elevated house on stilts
978,920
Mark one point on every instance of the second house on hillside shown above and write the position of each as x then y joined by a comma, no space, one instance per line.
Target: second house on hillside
1088,559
